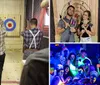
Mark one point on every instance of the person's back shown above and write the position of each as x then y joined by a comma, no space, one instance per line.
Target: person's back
28,37
32,38
35,71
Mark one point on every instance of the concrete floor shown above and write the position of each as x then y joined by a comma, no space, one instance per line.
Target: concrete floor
12,67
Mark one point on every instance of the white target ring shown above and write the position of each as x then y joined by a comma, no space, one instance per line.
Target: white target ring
9,25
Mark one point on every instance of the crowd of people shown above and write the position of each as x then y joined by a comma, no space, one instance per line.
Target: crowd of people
67,68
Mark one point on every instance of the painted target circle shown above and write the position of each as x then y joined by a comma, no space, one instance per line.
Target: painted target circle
10,24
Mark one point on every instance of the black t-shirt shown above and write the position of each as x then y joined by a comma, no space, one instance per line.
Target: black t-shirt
88,28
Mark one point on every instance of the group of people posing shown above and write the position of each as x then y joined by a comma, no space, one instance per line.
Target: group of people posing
72,69
68,26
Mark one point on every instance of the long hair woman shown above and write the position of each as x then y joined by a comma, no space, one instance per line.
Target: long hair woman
86,30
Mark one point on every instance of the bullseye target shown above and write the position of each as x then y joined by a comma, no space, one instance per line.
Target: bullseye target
10,24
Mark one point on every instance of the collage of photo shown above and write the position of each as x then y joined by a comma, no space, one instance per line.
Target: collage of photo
49,42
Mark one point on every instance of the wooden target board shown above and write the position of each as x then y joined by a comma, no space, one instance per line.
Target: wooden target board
11,24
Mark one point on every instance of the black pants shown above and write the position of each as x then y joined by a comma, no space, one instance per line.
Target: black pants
2,59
